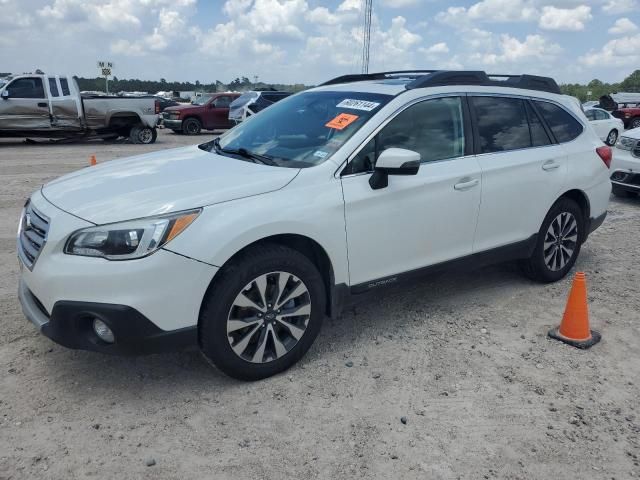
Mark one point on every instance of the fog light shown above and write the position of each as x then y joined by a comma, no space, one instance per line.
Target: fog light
619,176
103,332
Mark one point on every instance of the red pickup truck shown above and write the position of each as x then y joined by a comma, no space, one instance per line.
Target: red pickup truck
208,112
630,116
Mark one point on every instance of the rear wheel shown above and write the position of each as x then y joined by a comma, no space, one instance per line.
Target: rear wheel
262,313
622,192
143,134
191,126
612,138
558,244
635,123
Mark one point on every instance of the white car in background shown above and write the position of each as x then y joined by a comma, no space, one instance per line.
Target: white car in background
625,179
606,126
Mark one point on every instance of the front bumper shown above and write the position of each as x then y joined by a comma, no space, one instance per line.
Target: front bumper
172,124
145,300
625,170
71,325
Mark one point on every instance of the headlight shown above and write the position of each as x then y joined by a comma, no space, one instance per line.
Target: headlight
129,240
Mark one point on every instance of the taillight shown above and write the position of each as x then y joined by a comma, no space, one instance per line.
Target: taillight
157,106
606,154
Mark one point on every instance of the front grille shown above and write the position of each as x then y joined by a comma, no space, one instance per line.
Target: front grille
32,235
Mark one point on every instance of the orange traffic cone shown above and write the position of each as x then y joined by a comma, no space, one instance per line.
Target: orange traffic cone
574,329
92,160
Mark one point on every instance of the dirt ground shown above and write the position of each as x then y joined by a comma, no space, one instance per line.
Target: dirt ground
464,357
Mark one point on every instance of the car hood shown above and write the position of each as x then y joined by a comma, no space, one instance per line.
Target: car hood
161,182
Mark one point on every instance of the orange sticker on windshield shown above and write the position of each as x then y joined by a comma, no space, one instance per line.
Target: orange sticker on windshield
342,121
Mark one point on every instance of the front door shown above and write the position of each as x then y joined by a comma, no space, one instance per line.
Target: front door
220,116
26,106
419,220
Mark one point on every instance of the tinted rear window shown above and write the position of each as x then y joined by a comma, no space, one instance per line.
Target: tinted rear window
564,127
539,135
502,124
65,87
53,87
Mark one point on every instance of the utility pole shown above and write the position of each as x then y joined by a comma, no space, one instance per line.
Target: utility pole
366,34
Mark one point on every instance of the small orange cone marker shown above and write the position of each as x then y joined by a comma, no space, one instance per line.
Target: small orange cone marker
92,160
574,329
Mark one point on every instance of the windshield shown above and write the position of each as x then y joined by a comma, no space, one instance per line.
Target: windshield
302,130
201,100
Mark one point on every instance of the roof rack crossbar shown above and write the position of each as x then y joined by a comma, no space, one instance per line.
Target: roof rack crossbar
437,78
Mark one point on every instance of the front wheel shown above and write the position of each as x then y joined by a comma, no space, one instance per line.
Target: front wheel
558,243
262,313
612,138
191,126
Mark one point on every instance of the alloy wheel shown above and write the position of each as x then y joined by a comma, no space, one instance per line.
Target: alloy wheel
268,317
560,241
613,136
145,135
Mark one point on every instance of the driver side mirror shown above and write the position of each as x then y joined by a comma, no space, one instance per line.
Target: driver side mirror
5,94
394,161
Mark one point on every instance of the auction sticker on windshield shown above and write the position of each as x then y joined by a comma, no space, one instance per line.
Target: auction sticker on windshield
357,104
342,121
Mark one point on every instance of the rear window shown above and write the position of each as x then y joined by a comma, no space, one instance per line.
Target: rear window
563,125
539,137
502,124
53,87
65,87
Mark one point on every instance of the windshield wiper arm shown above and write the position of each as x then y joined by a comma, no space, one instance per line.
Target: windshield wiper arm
243,152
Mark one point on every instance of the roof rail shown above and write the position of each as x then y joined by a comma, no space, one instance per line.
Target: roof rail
438,78
360,77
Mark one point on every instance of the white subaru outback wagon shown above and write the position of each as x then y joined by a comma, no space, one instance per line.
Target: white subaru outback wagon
242,245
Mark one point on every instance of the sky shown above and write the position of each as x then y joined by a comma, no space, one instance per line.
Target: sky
306,41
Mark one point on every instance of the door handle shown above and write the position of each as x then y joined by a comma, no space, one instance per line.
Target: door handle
550,165
42,104
466,185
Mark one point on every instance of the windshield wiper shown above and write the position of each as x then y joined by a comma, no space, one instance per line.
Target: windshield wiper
243,152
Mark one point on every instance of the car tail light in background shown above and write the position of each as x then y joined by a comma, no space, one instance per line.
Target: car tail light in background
157,106
606,154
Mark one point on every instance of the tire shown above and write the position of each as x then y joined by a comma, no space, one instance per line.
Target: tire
612,138
251,353
544,265
191,126
635,123
621,192
141,134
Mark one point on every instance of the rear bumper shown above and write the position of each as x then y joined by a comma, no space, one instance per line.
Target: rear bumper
172,124
71,325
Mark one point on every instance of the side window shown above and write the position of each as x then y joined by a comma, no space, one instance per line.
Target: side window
65,87
502,124
591,115
562,124
539,137
600,115
433,128
26,88
53,87
222,102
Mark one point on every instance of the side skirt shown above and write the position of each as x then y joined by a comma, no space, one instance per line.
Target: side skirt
343,296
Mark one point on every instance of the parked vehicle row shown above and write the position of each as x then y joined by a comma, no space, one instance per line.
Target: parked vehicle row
50,106
250,103
605,124
243,244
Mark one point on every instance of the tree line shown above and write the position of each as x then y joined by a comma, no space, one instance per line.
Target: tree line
239,84
599,88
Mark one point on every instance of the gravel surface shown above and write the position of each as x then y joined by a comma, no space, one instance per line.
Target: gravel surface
449,378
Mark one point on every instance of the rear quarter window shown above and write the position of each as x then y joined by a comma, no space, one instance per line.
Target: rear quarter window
64,85
563,125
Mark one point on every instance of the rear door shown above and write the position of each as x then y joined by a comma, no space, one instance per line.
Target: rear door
523,170
26,107
64,105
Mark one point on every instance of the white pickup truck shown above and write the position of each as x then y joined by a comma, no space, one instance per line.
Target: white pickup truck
50,106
